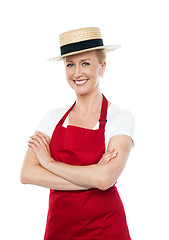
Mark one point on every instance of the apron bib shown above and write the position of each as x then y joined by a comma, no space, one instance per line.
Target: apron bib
83,214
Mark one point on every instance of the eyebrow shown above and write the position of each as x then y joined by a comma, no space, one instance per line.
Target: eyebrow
81,60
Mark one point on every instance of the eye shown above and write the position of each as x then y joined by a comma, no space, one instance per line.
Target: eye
86,63
69,65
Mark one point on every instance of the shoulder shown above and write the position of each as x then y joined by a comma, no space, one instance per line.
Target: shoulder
54,114
116,113
120,121
50,119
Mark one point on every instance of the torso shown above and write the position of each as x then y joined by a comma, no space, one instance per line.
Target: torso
81,212
87,121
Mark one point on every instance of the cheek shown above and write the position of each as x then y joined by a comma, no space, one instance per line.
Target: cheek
68,74
99,70
96,73
92,72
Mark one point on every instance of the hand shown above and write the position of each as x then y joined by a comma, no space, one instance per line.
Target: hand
109,155
40,145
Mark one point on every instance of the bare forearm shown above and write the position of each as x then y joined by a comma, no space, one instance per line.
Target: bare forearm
90,176
37,175
81,175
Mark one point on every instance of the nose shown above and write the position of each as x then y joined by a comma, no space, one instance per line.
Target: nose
77,72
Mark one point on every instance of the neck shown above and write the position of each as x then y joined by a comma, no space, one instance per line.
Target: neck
89,103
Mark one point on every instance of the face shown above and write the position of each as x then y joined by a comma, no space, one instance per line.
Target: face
83,72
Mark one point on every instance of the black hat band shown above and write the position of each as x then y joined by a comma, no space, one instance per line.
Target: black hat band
82,45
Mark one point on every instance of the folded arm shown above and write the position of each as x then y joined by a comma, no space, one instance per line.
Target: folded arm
100,176
113,169
33,173
96,176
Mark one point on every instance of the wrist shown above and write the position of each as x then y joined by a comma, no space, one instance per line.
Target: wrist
48,163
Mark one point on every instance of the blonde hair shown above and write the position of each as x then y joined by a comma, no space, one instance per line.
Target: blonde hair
101,55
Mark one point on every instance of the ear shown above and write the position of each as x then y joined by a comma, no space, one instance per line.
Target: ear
103,66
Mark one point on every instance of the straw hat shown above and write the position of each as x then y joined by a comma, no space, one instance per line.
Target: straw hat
81,40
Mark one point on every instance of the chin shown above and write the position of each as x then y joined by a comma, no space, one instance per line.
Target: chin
81,93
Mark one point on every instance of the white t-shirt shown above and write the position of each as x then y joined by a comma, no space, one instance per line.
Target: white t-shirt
119,121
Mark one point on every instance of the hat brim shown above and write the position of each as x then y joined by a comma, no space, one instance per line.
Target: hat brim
108,48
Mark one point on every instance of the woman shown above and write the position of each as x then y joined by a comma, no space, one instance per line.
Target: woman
79,151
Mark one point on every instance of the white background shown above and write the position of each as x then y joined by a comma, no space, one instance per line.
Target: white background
136,79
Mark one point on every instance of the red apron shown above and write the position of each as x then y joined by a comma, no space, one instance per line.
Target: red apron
84,214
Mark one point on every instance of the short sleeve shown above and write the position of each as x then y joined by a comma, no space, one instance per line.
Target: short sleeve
123,123
50,119
46,124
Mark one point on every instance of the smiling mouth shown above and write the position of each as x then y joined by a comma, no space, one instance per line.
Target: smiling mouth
80,82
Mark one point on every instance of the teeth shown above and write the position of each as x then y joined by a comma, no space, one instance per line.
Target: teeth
80,82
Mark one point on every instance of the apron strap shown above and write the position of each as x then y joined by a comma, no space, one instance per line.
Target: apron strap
103,115
65,115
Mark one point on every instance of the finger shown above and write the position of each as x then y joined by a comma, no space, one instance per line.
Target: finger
114,154
102,161
110,150
109,157
45,141
106,154
105,160
110,154
39,141
36,138
35,142
32,145
44,135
